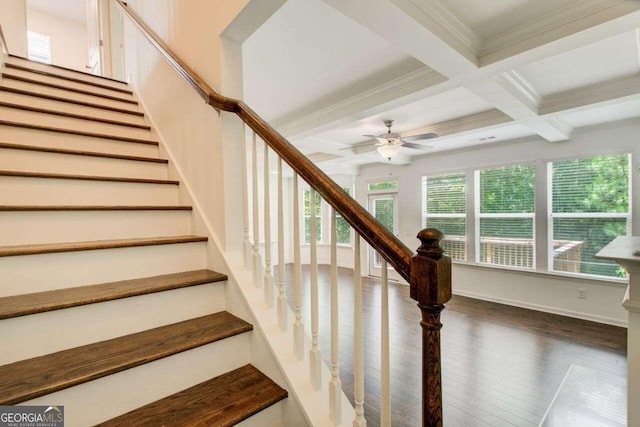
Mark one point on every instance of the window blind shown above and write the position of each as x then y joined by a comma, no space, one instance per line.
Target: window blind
589,208
39,46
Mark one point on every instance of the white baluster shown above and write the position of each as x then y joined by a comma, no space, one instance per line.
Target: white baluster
315,359
335,386
298,327
282,296
385,383
268,277
358,345
246,244
257,277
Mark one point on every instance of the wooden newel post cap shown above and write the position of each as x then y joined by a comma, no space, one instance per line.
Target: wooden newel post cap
430,270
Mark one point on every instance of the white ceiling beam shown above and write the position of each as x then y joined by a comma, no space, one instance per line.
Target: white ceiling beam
609,92
395,23
574,25
401,84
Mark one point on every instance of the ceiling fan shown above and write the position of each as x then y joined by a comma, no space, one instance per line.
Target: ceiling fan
389,143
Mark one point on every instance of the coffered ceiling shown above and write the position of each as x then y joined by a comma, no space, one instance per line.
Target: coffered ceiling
326,72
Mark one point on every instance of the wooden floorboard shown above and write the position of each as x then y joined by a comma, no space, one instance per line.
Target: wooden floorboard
22,305
221,402
42,375
502,365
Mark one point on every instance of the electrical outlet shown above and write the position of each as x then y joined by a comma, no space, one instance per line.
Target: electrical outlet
582,293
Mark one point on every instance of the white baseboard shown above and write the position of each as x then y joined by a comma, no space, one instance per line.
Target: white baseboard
544,308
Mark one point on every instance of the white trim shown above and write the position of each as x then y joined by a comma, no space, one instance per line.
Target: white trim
544,308
438,13
390,90
524,88
579,10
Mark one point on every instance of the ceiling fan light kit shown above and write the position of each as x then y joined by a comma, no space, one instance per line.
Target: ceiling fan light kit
389,143
389,151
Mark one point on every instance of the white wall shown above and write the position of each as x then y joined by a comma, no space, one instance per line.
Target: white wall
538,290
69,45
13,18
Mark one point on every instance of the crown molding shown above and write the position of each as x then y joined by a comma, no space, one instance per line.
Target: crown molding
586,97
461,125
438,14
404,85
574,17
516,82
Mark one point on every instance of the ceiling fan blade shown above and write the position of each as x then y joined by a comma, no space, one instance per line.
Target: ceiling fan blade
420,137
371,136
362,144
417,146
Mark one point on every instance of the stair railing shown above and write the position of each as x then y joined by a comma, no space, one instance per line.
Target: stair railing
428,271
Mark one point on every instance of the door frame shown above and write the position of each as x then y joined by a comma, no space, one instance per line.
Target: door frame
374,269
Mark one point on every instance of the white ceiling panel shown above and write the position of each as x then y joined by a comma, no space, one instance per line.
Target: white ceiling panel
606,59
436,109
305,51
489,17
604,114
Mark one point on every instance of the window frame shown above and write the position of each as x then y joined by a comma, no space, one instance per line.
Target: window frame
477,239
425,215
628,216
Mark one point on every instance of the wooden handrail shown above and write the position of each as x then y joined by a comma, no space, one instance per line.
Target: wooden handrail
381,239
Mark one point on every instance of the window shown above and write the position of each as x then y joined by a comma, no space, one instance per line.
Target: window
307,216
444,207
39,47
343,229
384,185
590,206
505,215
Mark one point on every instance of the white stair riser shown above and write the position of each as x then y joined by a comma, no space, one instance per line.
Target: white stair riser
21,228
269,417
36,273
38,102
67,83
15,135
68,95
85,404
43,119
26,337
44,191
34,161
62,72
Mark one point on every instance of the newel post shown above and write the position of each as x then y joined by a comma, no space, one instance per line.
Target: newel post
431,287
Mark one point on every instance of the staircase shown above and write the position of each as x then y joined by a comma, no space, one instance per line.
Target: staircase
106,303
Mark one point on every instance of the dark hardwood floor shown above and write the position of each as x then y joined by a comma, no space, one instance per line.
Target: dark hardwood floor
502,365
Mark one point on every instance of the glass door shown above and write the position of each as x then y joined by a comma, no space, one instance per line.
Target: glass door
384,207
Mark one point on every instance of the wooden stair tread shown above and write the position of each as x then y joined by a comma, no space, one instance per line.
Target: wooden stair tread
31,378
78,132
49,248
220,402
40,302
68,89
68,69
72,115
38,208
70,101
9,146
87,177
68,78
